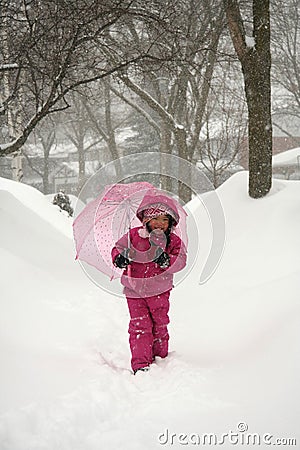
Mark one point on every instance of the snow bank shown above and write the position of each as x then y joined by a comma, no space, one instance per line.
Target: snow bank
287,158
65,379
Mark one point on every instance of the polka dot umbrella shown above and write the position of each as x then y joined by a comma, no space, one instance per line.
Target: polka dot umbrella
104,220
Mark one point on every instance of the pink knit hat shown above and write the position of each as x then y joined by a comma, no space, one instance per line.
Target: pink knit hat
156,210
156,203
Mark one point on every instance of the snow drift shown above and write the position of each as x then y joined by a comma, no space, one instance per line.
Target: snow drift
65,379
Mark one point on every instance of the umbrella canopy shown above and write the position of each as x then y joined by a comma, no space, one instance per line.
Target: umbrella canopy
111,215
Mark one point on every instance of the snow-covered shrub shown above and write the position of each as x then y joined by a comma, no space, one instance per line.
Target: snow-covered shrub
63,201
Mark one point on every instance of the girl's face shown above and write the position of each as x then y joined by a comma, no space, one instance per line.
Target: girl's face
159,222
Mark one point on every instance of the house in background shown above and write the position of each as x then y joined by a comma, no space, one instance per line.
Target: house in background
286,132
62,165
286,136
286,165
62,172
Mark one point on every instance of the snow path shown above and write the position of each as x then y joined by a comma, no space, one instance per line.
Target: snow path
65,361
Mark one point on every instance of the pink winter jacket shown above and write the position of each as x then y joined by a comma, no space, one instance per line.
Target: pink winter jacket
148,278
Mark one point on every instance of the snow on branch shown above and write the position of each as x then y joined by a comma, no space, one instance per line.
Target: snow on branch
6,67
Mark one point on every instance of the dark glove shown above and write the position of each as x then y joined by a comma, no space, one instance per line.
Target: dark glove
163,260
121,261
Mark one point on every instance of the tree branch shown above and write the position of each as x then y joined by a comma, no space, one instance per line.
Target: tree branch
236,28
163,114
140,110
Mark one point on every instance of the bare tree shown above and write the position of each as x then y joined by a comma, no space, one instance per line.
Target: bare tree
57,46
177,94
255,57
286,62
76,128
104,120
222,137
89,122
46,140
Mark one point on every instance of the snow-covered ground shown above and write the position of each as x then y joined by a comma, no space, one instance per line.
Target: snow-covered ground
287,158
234,362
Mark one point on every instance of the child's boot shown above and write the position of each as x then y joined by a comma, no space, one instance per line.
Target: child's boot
141,369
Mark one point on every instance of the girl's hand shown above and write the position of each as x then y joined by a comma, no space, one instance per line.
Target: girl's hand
163,260
158,238
121,261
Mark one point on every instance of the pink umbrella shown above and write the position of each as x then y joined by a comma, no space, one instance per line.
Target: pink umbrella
104,220
111,215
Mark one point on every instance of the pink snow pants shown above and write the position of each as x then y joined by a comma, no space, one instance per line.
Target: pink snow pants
148,333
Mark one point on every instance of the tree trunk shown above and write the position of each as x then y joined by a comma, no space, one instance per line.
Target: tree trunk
16,163
111,142
81,164
165,147
256,66
46,188
257,88
184,191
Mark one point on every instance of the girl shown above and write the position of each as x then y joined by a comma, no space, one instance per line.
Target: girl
150,255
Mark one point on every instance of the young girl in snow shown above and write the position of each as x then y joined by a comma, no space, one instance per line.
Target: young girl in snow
150,255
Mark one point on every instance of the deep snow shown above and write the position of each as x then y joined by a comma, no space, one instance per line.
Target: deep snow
65,379
285,158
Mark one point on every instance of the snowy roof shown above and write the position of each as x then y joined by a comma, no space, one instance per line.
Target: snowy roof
285,125
125,133
61,149
290,157
73,166
64,148
214,128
